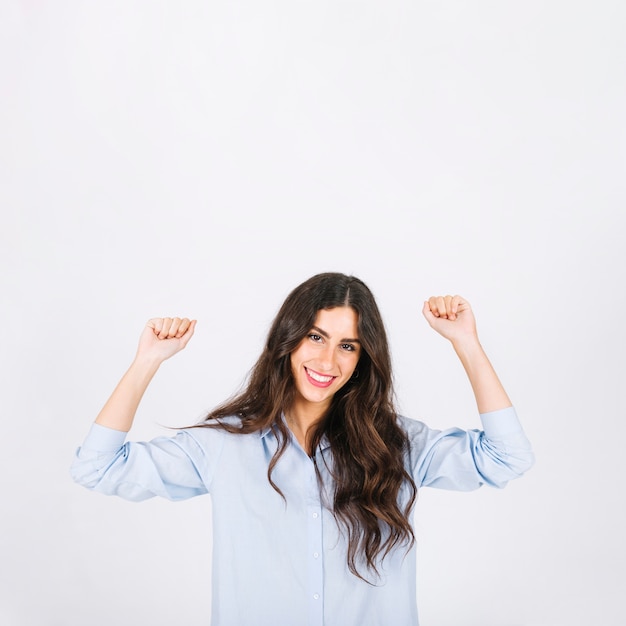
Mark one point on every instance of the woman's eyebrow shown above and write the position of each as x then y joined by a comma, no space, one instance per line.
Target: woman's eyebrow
327,336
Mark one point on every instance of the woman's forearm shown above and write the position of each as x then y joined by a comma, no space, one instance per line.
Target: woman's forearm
161,338
120,409
452,317
488,390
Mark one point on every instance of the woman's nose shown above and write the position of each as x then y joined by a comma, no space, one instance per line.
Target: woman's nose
327,358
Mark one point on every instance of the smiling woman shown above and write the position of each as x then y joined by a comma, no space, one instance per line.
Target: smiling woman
312,472
321,365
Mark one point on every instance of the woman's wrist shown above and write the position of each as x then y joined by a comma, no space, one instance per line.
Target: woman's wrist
467,346
146,363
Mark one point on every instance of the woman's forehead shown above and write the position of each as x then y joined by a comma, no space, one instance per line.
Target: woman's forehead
341,321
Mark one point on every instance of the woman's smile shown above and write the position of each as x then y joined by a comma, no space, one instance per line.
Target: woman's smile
317,379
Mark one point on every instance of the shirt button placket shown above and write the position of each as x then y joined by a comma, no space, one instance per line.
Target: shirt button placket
314,557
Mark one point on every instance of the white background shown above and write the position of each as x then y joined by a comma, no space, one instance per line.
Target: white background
203,158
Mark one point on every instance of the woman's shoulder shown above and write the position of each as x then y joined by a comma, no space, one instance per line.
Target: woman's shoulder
229,428
416,431
214,427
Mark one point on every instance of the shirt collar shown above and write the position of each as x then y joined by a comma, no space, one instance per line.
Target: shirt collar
264,432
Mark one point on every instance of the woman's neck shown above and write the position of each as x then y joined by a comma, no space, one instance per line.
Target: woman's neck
301,419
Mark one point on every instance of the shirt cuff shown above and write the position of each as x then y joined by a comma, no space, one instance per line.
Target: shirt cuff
103,439
501,423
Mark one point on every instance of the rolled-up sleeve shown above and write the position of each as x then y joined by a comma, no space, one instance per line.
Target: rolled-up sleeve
465,460
175,468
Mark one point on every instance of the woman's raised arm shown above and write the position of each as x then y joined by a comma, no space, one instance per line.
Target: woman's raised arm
452,317
160,339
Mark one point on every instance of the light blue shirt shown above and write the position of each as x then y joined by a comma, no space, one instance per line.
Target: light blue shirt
284,564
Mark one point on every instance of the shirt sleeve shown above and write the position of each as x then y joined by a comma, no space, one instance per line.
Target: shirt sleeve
175,468
464,460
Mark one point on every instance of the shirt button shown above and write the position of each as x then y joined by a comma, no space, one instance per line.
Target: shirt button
315,554
316,596
315,515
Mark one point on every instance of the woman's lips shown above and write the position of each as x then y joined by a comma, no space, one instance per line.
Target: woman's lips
317,379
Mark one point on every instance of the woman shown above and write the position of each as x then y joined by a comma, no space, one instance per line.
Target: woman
312,472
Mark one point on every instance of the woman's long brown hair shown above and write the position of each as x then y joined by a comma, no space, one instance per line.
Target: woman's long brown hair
367,444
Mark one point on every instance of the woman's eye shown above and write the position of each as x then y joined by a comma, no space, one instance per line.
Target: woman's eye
315,337
347,346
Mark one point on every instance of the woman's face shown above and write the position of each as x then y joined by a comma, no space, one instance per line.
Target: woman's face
326,358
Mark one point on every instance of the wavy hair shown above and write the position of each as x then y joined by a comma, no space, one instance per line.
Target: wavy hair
366,442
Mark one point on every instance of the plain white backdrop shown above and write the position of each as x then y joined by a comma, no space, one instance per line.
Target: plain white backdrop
203,158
